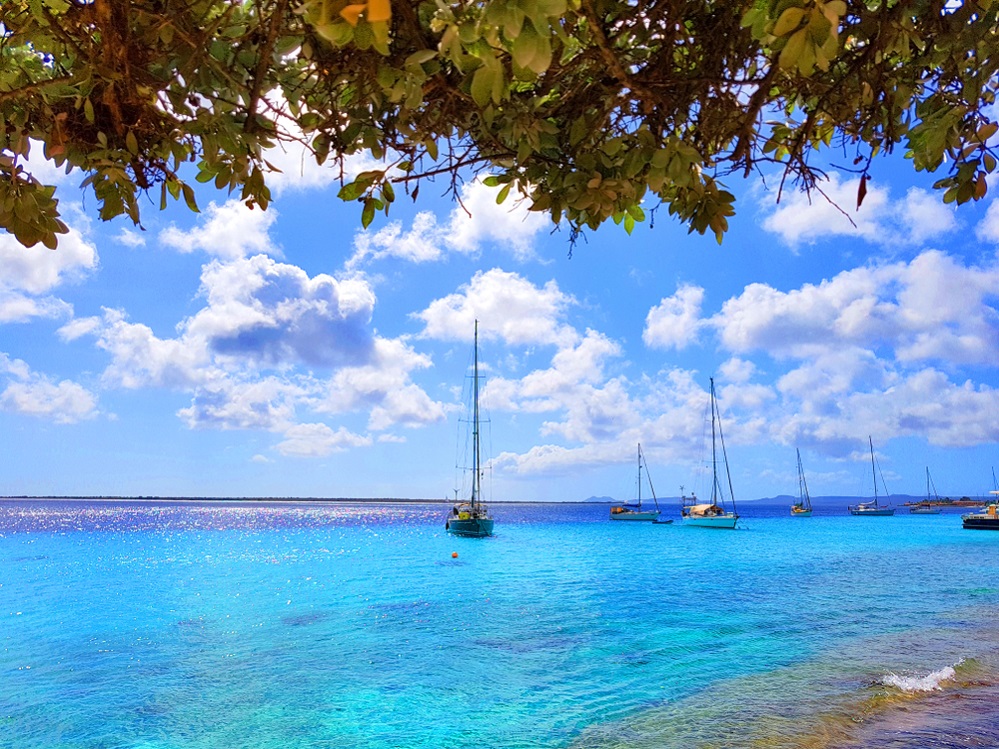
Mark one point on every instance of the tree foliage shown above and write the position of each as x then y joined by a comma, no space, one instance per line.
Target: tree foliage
589,108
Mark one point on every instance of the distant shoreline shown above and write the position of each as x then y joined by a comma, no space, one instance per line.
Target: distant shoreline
899,500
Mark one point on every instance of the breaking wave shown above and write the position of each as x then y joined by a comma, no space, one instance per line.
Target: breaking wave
912,683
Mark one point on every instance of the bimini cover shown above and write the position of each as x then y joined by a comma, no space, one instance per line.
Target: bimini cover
700,510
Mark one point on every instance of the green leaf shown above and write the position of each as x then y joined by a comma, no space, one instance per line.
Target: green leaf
482,86
192,204
368,214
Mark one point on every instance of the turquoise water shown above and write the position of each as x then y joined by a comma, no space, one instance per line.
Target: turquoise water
189,626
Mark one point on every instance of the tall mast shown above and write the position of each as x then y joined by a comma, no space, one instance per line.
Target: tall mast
714,456
873,471
802,486
475,421
639,474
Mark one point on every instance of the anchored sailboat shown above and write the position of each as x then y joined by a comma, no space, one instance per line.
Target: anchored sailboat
926,507
629,511
803,507
872,508
713,514
471,518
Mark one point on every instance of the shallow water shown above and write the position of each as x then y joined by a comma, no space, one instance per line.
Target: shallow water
189,626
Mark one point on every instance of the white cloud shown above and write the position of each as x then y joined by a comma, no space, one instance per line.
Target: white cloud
140,359
384,388
17,308
930,308
923,216
229,231
131,237
674,322
318,440
737,370
479,219
33,394
420,244
507,306
988,229
37,270
274,313
232,403
833,408
802,218
79,327
591,407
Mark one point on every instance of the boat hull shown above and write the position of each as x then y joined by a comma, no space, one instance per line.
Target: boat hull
924,511
472,527
872,512
981,524
726,521
649,515
983,520
795,513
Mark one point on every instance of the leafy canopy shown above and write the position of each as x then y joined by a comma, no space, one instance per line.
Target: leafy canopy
588,108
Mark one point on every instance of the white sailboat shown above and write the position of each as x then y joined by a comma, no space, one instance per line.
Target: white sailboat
471,517
926,507
712,514
803,507
634,511
872,508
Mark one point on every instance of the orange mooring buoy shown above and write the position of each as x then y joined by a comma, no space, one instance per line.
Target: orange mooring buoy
454,554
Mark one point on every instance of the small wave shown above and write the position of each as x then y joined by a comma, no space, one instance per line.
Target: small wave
908,683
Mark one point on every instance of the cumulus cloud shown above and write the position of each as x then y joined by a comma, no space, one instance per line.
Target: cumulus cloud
35,394
988,229
932,308
18,308
32,271
476,221
384,388
479,219
228,231
675,321
241,355
422,243
507,305
274,313
831,211
232,403
141,359
318,441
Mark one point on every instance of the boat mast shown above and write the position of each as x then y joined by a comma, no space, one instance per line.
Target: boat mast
873,472
476,470
714,454
805,500
639,475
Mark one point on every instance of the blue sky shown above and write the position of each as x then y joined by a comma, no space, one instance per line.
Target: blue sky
290,353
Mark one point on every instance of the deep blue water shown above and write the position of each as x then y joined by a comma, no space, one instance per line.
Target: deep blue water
194,625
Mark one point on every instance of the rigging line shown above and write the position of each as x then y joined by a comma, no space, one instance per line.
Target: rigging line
721,436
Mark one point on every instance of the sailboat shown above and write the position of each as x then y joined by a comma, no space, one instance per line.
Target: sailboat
471,517
629,511
925,507
713,514
803,507
872,508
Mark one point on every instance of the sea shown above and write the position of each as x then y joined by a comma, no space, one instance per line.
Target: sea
363,625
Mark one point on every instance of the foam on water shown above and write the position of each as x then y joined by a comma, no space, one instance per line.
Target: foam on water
911,683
